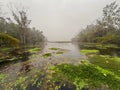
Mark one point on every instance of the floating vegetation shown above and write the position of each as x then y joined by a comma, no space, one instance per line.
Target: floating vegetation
20,83
106,62
46,55
52,67
35,50
86,75
59,49
59,52
98,72
54,48
5,49
2,78
87,51
33,79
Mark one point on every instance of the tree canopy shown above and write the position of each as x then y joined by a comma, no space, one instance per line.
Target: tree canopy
106,30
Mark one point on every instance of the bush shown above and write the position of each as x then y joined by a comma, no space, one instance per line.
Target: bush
7,40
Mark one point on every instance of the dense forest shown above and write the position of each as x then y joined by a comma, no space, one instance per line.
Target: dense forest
106,30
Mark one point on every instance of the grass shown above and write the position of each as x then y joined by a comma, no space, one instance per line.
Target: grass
46,55
86,51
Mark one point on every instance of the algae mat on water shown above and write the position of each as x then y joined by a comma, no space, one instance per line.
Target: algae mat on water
85,75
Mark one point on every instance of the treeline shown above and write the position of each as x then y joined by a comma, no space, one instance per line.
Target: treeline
18,27
104,31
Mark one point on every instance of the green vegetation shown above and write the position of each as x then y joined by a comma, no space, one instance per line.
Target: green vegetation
107,62
46,55
23,81
14,54
5,49
35,50
103,37
59,52
97,72
3,78
16,36
16,29
54,48
98,46
20,82
86,75
104,31
7,40
85,51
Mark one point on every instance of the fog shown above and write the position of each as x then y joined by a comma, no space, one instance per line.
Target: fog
61,19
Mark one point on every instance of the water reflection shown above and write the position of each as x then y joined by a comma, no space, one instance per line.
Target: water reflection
74,52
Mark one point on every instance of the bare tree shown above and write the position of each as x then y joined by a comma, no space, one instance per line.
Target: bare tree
20,17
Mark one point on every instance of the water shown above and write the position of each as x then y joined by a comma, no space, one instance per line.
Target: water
32,68
74,52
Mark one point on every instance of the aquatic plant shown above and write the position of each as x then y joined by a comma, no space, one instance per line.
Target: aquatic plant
59,52
86,75
107,62
54,48
88,51
46,55
3,78
35,50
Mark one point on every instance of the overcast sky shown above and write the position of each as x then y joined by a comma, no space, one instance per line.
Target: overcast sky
62,19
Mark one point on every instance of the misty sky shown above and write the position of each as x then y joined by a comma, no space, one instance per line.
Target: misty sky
62,19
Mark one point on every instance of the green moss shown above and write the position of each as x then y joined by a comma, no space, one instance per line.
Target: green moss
86,51
46,55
